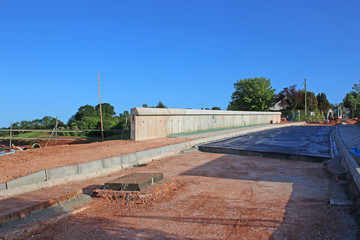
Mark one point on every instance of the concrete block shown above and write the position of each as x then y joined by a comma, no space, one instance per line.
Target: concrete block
27,180
2,186
92,166
60,172
133,181
113,161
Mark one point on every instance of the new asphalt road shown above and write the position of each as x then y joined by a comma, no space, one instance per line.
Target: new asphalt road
305,143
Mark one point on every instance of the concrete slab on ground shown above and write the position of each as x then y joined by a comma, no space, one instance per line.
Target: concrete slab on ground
306,143
133,181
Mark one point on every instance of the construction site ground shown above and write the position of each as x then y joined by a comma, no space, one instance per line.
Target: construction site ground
30,161
218,196
71,152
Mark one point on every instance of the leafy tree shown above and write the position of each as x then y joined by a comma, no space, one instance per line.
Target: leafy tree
110,123
85,111
216,108
311,102
356,88
88,117
88,123
289,97
323,103
108,110
46,122
292,98
124,121
252,94
351,100
145,105
160,105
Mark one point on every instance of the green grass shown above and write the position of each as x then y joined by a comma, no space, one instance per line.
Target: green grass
30,135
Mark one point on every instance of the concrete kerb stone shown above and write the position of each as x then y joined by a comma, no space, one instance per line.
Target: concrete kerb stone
128,158
113,161
60,172
350,162
90,166
27,180
2,186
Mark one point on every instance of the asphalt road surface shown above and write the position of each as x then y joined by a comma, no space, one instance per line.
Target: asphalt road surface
306,143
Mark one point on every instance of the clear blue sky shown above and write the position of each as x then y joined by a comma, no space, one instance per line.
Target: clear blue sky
187,54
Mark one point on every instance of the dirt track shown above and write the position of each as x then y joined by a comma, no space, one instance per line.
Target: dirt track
222,197
30,161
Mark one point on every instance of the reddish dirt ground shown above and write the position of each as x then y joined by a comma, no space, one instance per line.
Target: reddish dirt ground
221,197
331,122
30,161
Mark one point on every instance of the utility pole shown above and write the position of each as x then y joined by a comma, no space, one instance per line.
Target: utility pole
101,120
10,145
305,97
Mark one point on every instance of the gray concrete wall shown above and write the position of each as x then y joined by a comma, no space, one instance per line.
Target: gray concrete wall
150,123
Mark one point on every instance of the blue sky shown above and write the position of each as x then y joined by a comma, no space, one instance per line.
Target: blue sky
187,54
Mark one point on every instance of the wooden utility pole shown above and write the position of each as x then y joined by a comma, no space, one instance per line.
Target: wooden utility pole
305,97
101,120
10,135
56,124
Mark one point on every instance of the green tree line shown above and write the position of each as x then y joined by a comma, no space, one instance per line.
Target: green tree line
257,94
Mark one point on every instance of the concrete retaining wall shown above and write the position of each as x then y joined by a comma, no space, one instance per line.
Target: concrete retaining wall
150,123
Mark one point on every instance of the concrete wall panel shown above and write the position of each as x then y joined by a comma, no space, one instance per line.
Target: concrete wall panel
150,123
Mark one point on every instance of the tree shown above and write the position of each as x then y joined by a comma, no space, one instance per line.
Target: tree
289,97
124,122
311,102
252,94
292,98
107,109
323,103
145,105
356,88
88,117
216,108
351,100
85,111
160,105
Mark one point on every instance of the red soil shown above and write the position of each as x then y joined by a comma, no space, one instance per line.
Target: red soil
30,161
